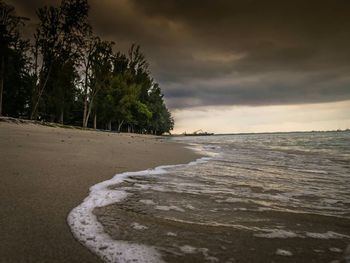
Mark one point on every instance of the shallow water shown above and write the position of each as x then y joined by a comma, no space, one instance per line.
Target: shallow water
258,198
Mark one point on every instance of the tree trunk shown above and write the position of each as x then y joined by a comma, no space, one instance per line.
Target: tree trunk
86,97
88,114
110,125
90,107
95,121
35,109
120,125
2,81
85,112
61,116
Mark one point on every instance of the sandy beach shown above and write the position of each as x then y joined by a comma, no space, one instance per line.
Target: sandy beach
47,171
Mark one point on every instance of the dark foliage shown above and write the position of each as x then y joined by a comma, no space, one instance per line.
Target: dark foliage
69,75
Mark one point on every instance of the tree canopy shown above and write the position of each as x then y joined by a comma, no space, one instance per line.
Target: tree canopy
65,73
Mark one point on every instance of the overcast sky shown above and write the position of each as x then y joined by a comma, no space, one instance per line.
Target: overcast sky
237,66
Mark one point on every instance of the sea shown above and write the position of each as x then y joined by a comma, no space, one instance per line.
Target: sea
274,197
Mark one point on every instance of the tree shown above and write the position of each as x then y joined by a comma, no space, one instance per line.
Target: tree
114,102
98,73
139,68
161,118
59,38
88,49
18,82
68,73
9,41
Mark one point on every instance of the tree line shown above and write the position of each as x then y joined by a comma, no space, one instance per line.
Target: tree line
67,74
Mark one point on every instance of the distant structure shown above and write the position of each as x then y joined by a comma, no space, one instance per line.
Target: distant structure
198,133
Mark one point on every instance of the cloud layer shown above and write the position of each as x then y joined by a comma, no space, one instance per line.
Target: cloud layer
243,52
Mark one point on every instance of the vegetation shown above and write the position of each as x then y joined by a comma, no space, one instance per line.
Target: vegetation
67,74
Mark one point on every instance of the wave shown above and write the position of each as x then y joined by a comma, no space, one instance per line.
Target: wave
88,231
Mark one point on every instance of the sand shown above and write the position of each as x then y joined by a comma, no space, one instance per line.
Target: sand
47,171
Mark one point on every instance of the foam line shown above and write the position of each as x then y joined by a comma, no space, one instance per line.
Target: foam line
87,230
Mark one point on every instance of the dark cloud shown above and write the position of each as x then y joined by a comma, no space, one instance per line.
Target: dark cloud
246,52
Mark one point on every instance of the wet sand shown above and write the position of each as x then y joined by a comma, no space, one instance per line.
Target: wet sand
47,171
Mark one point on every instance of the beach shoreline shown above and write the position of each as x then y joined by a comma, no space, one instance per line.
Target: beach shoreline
47,171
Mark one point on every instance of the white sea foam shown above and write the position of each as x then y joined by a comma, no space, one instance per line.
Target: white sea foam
206,150
138,226
283,252
335,249
263,209
310,171
208,258
232,200
171,234
327,235
168,208
90,232
86,228
188,249
158,188
277,233
191,207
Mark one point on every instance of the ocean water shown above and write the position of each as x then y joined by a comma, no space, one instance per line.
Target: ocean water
252,198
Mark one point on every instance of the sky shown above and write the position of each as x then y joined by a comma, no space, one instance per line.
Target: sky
236,65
